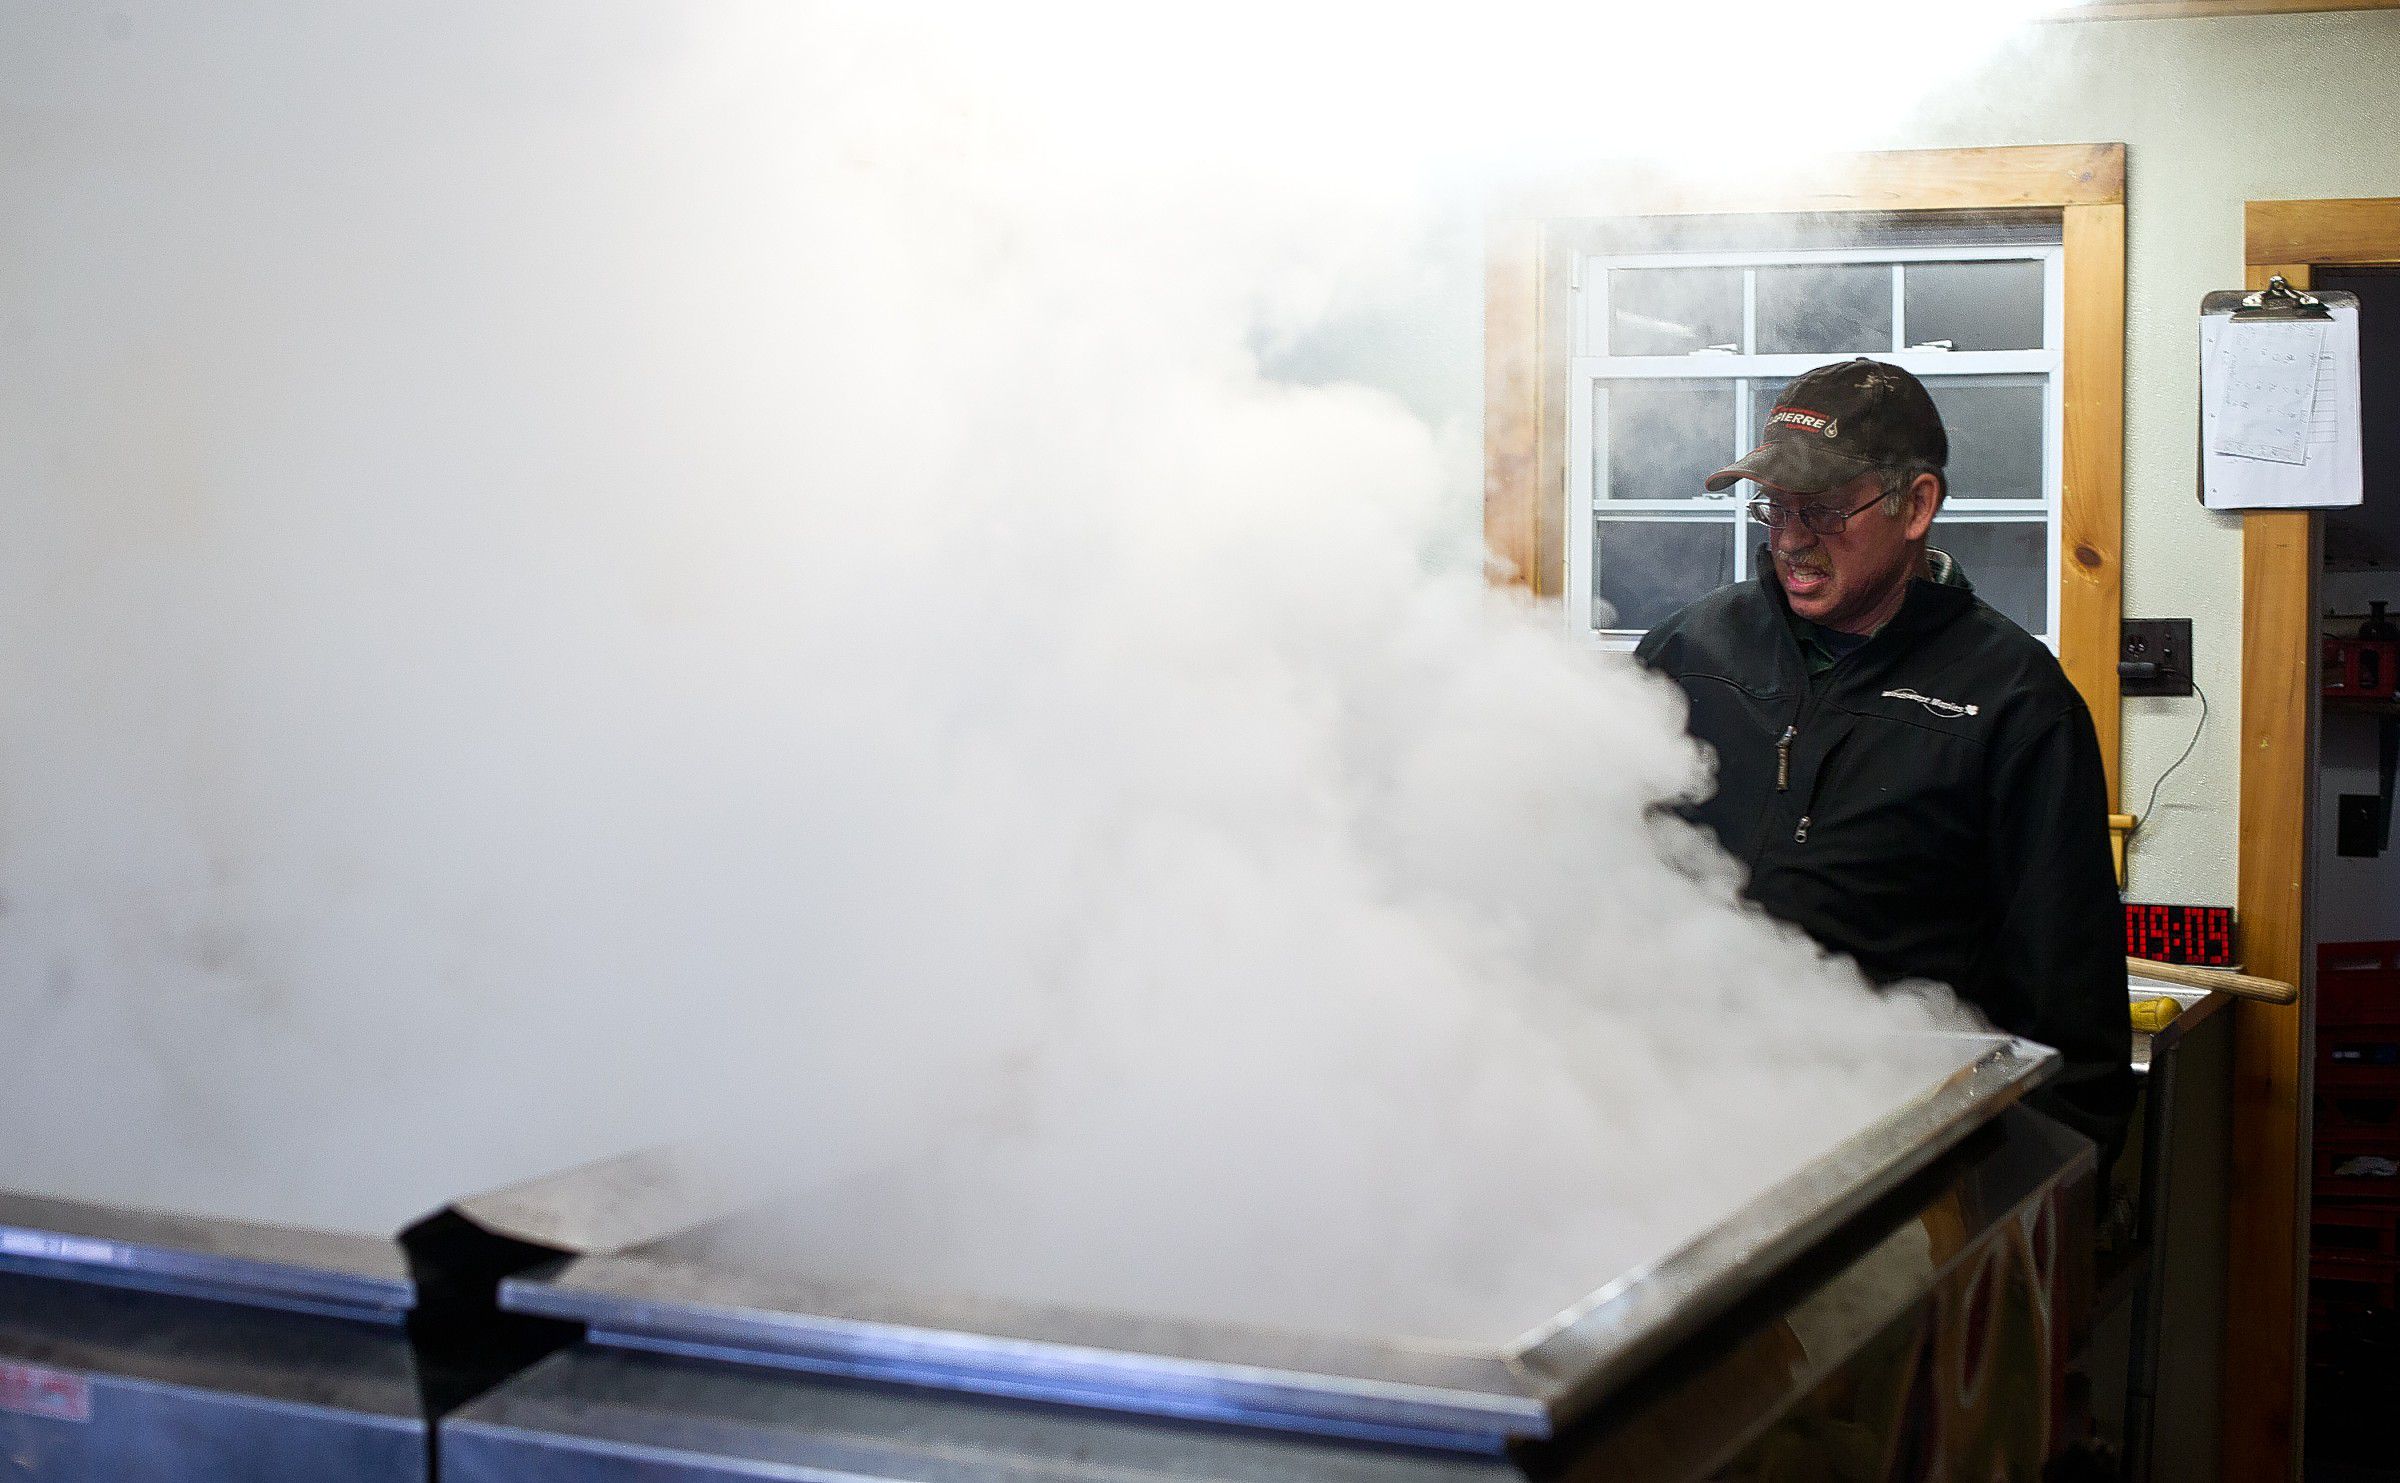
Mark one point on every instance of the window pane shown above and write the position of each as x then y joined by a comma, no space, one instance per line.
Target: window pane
1844,308
1664,437
1995,427
2008,561
1975,306
1673,311
1763,397
1643,570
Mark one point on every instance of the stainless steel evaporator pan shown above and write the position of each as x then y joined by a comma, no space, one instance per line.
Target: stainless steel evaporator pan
1396,1387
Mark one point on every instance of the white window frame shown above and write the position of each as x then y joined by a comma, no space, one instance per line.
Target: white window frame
1587,367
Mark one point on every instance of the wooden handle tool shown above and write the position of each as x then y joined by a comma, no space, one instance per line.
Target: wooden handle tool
2222,980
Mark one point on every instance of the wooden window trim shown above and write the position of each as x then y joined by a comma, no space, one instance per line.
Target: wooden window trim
2147,10
2266,1259
1528,339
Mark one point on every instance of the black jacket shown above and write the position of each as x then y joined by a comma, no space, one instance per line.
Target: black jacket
1933,806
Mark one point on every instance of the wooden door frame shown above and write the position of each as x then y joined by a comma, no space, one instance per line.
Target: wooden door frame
2266,1304
1528,247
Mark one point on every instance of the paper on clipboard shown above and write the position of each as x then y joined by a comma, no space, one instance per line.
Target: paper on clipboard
2268,388
2279,412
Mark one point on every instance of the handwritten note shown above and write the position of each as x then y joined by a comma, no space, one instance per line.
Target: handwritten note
2269,388
2279,412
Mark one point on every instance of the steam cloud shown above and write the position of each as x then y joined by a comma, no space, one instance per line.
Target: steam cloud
577,575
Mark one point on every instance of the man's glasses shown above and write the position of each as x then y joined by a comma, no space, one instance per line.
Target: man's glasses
1823,519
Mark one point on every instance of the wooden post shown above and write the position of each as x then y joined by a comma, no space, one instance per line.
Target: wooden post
2267,1253
2091,597
1512,400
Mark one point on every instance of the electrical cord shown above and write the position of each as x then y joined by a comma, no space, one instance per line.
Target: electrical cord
2143,670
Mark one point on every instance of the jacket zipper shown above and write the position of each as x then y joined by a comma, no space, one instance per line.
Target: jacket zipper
1810,694
1791,734
1783,775
1797,665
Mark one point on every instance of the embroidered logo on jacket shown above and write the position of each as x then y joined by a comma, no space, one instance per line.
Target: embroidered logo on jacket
1938,706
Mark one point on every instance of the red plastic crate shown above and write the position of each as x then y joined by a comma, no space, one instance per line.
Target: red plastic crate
2337,1284
2370,1104
2360,667
2357,1078
2337,1175
2354,1233
2358,984
2357,1054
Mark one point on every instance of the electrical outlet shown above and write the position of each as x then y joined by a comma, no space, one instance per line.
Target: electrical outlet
2165,642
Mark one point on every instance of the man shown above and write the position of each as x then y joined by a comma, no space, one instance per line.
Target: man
1908,775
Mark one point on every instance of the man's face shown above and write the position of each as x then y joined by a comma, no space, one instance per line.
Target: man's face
1852,581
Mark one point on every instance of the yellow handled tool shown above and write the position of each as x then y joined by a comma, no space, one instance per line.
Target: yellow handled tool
2154,1015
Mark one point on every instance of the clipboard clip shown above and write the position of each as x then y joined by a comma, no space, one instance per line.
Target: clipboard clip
2279,300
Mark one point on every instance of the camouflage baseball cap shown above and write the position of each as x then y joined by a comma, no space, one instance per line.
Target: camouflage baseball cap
1838,422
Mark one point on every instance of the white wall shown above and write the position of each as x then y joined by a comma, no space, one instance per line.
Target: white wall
2212,113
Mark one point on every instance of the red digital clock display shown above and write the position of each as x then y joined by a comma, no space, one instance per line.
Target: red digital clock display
2200,935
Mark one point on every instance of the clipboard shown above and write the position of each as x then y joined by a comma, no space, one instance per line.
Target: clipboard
2279,401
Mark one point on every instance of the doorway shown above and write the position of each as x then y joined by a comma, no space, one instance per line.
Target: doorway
2353,1166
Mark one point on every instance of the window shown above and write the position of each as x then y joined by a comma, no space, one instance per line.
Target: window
2065,198
1678,357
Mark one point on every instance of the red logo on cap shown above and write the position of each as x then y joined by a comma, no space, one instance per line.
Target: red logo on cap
1815,422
